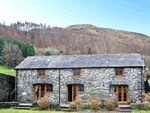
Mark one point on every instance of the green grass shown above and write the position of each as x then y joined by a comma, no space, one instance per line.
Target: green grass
140,111
8,71
27,111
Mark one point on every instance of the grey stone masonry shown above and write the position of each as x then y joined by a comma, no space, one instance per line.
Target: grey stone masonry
96,82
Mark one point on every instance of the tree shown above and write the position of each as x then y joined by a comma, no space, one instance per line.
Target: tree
8,41
1,43
47,53
15,42
89,51
11,55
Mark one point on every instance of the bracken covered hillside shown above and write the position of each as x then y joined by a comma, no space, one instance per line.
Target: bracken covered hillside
77,39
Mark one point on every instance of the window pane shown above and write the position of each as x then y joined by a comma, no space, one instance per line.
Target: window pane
113,88
74,92
78,72
117,73
120,92
43,72
125,94
80,87
40,72
120,71
42,90
75,72
49,88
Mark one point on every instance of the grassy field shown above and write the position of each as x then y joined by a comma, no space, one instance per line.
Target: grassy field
27,111
7,71
141,111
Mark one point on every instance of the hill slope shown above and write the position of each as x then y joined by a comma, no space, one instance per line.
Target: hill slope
78,39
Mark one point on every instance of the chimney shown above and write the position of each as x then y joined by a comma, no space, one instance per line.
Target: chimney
61,53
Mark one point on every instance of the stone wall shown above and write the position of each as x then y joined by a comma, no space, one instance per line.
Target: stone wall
96,81
7,84
27,78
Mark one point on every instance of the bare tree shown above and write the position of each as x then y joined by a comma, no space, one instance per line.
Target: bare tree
11,54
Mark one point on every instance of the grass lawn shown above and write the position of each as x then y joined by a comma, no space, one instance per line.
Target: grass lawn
140,111
27,111
7,71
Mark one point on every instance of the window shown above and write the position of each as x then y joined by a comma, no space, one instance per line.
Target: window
76,72
81,88
49,88
112,89
118,71
41,73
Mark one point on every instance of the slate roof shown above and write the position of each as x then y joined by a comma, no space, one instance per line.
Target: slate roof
82,61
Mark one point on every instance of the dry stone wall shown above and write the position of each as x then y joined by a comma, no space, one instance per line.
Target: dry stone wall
7,84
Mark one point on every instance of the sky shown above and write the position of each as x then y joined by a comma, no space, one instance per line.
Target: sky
128,15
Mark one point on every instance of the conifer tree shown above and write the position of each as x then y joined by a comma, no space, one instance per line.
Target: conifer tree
1,43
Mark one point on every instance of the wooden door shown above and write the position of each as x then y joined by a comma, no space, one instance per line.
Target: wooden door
122,94
40,91
74,92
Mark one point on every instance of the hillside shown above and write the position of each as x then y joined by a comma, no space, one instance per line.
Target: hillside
77,39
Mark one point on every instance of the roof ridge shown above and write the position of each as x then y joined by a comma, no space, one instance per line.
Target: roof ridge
91,54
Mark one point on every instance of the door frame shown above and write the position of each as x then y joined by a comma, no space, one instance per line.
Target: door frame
34,92
72,91
122,94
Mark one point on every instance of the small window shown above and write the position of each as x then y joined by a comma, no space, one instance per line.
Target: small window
81,88
118,71
41,73
49,88
76,72
112,89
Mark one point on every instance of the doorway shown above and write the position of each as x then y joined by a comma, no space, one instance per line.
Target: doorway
39,91
122,94
73,90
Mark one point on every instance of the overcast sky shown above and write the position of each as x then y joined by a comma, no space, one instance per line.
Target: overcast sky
129,15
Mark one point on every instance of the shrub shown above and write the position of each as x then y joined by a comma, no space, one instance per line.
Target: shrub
147,96
117,109
44,102
78,101
86,106
141,106
72,106
148,75
134,106
54,106
109,103
35,104
47,53
94,103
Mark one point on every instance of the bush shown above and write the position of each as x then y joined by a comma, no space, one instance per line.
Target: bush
72,106
2,62
148,75
94,103
117,109
47,53
147,96
44,102
86,106
78,101
54,106
141,106
35,104
109,103
134,106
